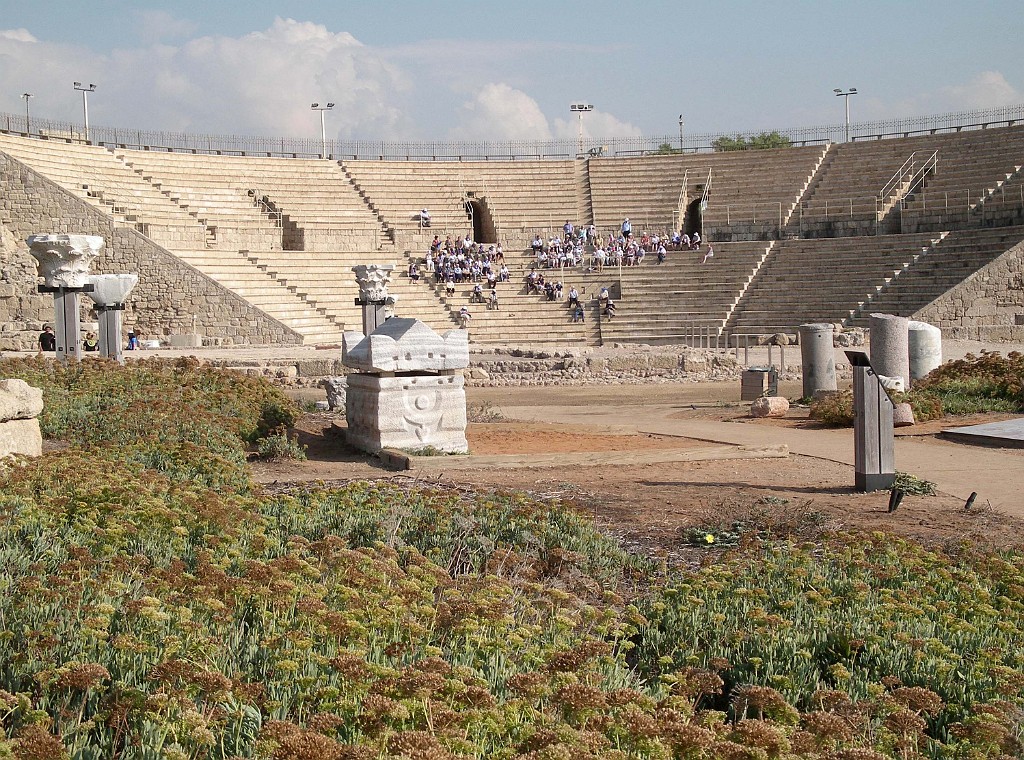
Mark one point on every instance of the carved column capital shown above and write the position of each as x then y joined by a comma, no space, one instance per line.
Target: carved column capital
63,260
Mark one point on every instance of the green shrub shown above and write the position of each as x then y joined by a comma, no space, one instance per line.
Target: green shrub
835,409
278,446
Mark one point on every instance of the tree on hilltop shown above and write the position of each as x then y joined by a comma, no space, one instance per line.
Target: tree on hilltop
762,141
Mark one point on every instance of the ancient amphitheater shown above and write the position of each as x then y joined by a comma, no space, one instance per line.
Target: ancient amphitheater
248,248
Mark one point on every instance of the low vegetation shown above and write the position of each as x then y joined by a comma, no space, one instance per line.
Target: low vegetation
155,603
990,382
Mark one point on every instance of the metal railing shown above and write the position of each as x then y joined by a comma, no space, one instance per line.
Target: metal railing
751,213
897,179
489,150
704,198
747,341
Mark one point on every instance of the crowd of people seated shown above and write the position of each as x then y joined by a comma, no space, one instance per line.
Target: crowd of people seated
460,261
466,261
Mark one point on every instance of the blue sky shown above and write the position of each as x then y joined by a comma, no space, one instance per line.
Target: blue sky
474,70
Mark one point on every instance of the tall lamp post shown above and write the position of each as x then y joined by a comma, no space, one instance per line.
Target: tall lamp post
85,90
323,126
840,94
28,118
580,109
680,133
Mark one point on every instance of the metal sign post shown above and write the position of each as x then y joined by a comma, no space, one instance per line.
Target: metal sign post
874,453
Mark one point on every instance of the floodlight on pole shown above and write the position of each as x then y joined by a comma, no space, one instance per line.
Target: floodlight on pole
681,133
580,108
85,90
840,94
323,125
28,118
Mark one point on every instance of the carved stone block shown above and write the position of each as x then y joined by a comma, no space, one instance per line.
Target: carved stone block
406,345
410,412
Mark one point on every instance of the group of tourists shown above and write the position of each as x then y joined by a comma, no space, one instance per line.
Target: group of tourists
459,261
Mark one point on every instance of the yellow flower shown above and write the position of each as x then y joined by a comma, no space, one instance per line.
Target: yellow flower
710,538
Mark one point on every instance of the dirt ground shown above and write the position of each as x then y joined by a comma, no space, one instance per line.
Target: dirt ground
660,508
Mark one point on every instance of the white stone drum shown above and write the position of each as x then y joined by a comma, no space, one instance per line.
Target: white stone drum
924,348
889,353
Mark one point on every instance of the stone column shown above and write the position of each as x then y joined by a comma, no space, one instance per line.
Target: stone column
110,292
63,262
373,282
924,344
817,358
889,354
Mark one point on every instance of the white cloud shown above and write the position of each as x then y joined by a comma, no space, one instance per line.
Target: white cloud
18,35
989,89
263,82
500,112
596,125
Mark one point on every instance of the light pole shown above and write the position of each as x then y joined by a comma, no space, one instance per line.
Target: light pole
28,118
580,108
680,133
840,94
323,125
85,90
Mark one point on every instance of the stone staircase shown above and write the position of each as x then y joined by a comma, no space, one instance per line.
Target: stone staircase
665,303
262,289
820,280
324,279
936,269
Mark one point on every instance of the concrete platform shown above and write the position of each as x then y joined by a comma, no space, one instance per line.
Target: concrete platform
1008,433
401,460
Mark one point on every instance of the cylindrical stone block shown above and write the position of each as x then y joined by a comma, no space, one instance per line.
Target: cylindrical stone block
889,353
924,348
817,358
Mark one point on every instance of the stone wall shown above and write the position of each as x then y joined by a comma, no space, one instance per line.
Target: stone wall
988,305
172,297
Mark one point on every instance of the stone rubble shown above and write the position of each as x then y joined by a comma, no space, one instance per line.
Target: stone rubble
20,406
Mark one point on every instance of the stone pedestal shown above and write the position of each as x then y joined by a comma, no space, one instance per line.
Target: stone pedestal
407,412
408,390
818,358
924,348
889,353
66,326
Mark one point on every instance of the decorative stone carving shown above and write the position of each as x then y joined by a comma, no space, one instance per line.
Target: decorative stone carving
407,412
424,405
64,260
405,345
111,289
373,281
20,405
